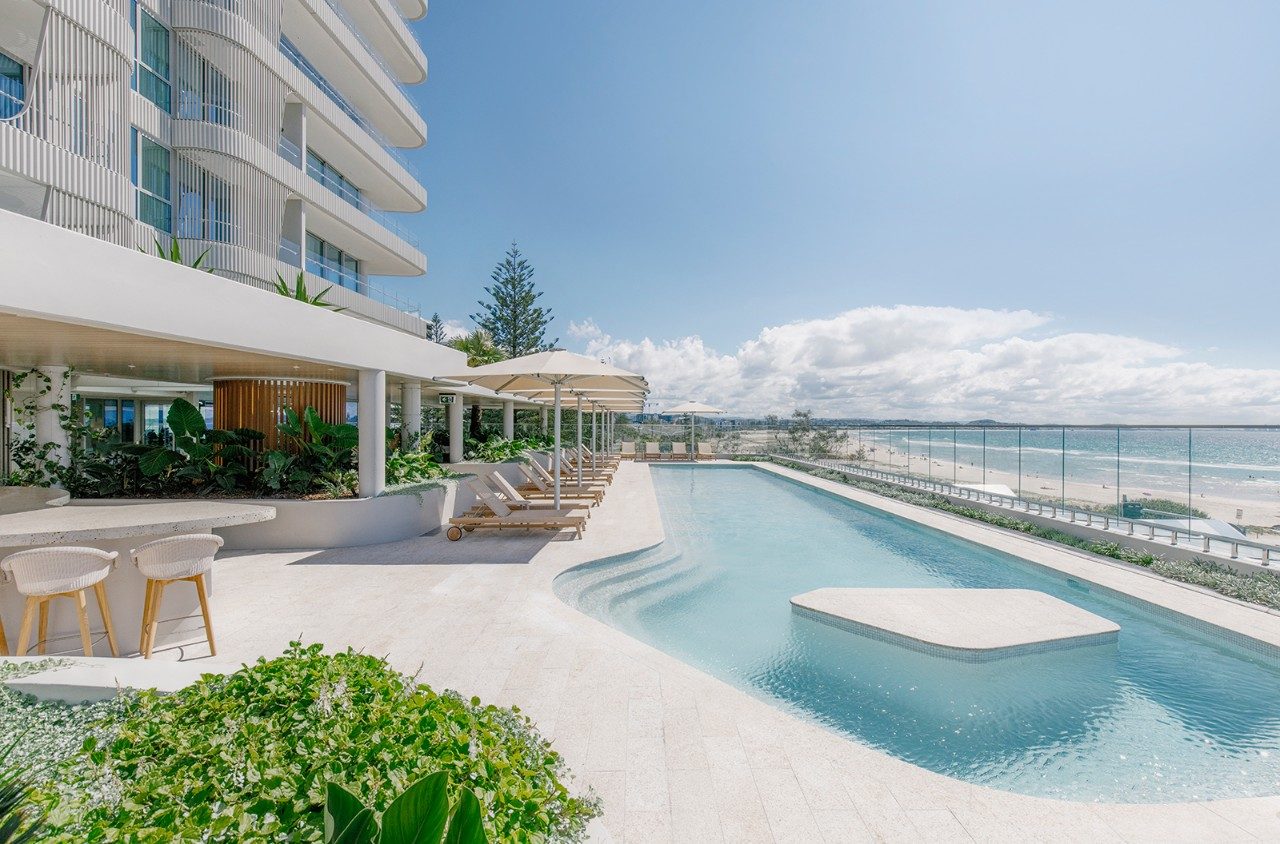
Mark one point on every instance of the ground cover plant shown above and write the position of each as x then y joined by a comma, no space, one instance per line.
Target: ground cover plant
1261,588
250,756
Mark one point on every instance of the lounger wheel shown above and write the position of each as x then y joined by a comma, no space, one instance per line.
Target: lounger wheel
454,533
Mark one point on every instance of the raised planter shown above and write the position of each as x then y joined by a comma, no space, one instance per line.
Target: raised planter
346,522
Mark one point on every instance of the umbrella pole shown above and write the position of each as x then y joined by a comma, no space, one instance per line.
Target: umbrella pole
579,460
594,446
693,423
556,458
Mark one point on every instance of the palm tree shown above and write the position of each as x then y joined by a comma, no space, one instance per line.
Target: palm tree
479,348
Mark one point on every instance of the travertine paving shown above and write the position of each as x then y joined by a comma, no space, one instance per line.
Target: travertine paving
674,753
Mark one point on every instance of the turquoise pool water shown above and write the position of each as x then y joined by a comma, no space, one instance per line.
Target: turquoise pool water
1165,714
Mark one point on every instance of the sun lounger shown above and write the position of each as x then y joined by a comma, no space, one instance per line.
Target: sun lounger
679,452
504,517
541,480
517,501
606,460
628,451
705,452
651,452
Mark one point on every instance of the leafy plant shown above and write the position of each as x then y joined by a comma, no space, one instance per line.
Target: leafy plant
202,457
20,821
497,449
249,757
299,292
319,451
420,815
174,253
406,467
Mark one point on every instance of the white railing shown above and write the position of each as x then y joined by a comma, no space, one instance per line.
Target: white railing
1109,525
354,198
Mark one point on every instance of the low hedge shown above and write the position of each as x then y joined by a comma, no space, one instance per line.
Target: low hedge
1261,588
247,757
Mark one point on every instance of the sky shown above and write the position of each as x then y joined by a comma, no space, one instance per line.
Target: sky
1031,211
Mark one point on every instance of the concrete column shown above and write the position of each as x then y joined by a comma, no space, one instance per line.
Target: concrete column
509,420
293,228
455,430
372,411
410,414
294,129
48,419
138,421
544,421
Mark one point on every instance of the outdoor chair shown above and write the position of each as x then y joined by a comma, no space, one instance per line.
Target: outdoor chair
541,481
42,574
628,451
516,501
504,517
705,452
175,559
679,452
651,452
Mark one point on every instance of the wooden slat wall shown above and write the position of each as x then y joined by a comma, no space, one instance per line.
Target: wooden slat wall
259,404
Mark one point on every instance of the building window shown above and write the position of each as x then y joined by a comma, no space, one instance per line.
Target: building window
13,86
330,262
204,205
151,177
295,57
151,76
325,174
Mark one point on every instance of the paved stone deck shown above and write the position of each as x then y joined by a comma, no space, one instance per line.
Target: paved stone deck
675,754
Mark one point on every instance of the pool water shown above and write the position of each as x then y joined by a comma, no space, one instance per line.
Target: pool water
1167,713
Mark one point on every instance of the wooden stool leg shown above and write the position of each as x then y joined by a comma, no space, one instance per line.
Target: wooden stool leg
156,600
44,626
101,592
85,639
24,633
146,616
204,609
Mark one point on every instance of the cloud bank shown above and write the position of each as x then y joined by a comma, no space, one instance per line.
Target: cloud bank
932,363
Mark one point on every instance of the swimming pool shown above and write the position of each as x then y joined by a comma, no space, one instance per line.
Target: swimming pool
1167,713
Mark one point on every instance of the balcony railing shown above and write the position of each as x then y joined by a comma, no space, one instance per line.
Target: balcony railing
354,198
77,134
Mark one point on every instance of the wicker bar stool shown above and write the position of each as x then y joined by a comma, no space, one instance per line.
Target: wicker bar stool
170,560
43,574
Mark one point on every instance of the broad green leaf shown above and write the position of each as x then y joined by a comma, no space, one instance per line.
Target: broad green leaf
340,809
363,829
419,815
465,826
156,460
185,418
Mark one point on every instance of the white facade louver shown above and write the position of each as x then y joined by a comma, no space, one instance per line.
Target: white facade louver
263,132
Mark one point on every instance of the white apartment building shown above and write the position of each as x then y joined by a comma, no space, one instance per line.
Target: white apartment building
261,134
230,125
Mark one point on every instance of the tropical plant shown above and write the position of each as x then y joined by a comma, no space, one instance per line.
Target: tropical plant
321,455
299,292
479,348
20,821
201,457
512,317
421,814
406,467
249,757
497,449
174,253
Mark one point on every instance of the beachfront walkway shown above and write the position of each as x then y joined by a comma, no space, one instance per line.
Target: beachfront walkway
675,753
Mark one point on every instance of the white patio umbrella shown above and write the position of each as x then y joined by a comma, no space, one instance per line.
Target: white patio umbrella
558,370
693,408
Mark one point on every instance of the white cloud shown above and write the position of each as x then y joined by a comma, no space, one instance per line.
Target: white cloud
932,363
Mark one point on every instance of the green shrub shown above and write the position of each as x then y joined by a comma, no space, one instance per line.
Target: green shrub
249,756
407,467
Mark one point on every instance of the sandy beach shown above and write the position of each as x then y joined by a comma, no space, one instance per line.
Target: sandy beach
1254,511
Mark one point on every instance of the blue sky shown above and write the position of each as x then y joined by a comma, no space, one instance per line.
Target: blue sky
705,171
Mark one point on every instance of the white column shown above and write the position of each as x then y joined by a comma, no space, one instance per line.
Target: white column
371,398
509,420
544,421
455,430
579,460
410,414
138,421
48,421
